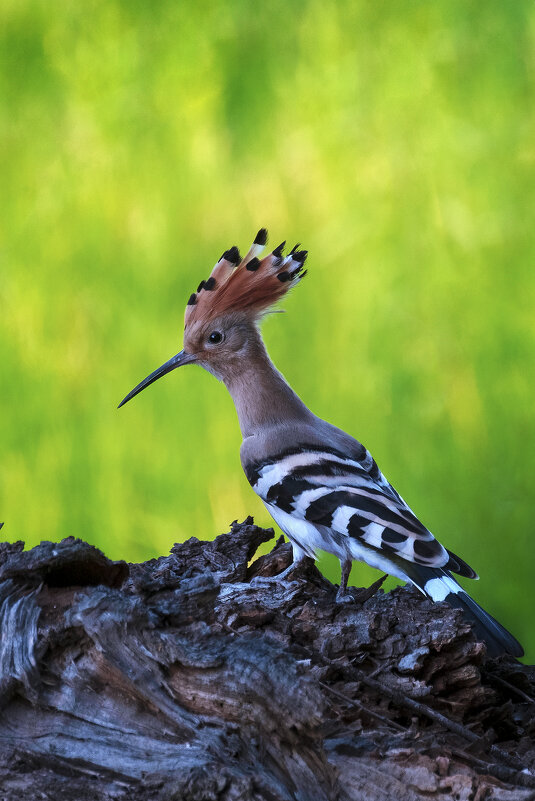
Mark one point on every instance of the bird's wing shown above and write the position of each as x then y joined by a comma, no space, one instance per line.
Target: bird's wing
349,496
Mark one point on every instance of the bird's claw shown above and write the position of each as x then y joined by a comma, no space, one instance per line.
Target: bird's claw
345,597
269,581
282,579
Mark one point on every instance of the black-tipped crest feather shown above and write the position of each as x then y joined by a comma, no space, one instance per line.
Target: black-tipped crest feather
251,286
261,237
232,255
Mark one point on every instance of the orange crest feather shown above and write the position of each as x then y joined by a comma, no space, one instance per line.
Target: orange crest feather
250,284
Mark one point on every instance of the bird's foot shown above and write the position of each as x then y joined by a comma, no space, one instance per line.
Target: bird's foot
344,596
294,571
347,595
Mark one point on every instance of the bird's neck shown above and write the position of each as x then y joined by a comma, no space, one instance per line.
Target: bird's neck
262,396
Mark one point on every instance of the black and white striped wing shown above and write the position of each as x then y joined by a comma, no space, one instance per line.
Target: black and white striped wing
322,498
349,497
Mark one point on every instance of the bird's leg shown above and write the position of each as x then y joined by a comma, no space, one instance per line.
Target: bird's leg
343,596
282,578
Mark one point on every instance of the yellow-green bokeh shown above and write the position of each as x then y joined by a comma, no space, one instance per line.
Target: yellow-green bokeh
395,140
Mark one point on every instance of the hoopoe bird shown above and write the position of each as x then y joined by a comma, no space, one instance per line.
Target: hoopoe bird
321,486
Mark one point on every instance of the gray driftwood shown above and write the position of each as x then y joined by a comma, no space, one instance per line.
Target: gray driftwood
187,677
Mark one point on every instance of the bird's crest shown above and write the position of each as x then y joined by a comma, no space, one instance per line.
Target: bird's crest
251,285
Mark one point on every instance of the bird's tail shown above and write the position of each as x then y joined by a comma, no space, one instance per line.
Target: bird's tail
439,585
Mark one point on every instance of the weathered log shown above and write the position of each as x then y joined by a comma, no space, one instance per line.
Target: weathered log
191,678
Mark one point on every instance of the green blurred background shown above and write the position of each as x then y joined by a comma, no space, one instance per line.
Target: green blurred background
394,140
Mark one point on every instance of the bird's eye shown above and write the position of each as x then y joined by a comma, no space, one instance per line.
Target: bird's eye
215,337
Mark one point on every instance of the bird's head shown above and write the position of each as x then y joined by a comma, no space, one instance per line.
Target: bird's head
221,318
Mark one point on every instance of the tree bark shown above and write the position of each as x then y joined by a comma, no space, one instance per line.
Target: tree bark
191,678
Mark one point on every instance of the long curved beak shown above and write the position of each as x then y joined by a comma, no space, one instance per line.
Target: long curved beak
177,361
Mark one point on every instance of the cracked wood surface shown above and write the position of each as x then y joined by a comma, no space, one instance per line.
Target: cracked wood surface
188,677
